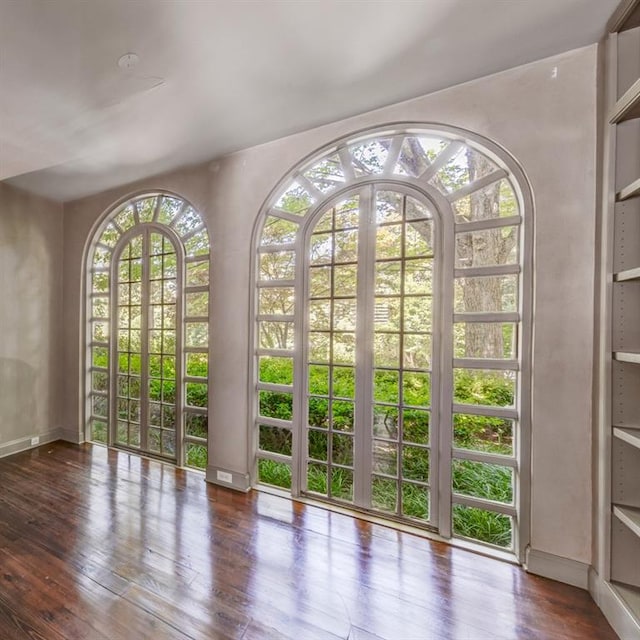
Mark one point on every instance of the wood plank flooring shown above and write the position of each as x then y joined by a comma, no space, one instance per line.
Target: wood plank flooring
103,545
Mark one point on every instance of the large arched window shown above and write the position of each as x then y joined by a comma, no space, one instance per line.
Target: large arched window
391,341
147,345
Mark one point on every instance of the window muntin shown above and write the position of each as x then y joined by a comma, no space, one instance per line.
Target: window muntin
147,333
473,188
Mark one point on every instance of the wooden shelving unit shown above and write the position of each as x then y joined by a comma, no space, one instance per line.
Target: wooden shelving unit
618,506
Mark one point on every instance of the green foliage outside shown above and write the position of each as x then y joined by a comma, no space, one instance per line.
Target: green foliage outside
479,433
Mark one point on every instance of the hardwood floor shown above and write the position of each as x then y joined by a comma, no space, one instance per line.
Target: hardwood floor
103,545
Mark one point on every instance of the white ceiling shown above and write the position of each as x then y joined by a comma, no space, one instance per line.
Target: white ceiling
220,75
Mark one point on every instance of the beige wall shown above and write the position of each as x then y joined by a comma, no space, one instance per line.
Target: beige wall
31,355
545,115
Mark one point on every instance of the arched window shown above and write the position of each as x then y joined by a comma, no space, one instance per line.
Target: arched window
147,346
392,332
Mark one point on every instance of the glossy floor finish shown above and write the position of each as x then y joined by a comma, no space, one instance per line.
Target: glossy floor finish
103,545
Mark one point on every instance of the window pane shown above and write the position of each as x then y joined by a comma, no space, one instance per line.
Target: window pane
485,526
490,247
484,387
482,433
486,294
275,440
274,473
275,370
275,301
196,456
279,265
481,480
276,405
486,340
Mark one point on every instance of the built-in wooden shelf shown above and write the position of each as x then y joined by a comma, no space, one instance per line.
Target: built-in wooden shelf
627,356
628,107
630,436
630,191
627,274
629,516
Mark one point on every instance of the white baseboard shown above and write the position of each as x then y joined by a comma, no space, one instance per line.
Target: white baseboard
22,444
615,610
238,481
557,568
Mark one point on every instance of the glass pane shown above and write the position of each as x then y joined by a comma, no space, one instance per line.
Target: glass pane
416,389
487,248
196,425
276,335
384,494
188,221
346,246
386,350
494,201
417,313
317,478
417,351
318,347
345,280
482,433
318,414
319,282
321,248
320,315
415,463
388,278
196,394
418,276
347,214
415,501
343,414
385,457
344,348
279,265
344,315
276,405
413,158
485,526
342,449
342,484
146,208
278,231
197,334
275,370
274,473
344,382
318,445
197,244
481,480
387,314
275,439
415,426
295,199
418,239
196,456
486,294
485,340
389,241
169,209
275,301
197,274
467,166
327,174
370,157
99,431
385,422
319,379
197,364
484,387
386,386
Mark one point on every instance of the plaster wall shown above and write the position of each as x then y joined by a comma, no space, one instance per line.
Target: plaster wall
544,114
31,355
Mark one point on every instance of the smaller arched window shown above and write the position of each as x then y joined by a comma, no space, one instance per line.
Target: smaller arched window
147,331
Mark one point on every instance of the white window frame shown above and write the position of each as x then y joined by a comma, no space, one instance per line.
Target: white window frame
442,204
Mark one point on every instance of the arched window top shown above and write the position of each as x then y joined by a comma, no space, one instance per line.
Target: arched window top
451,165
161,209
